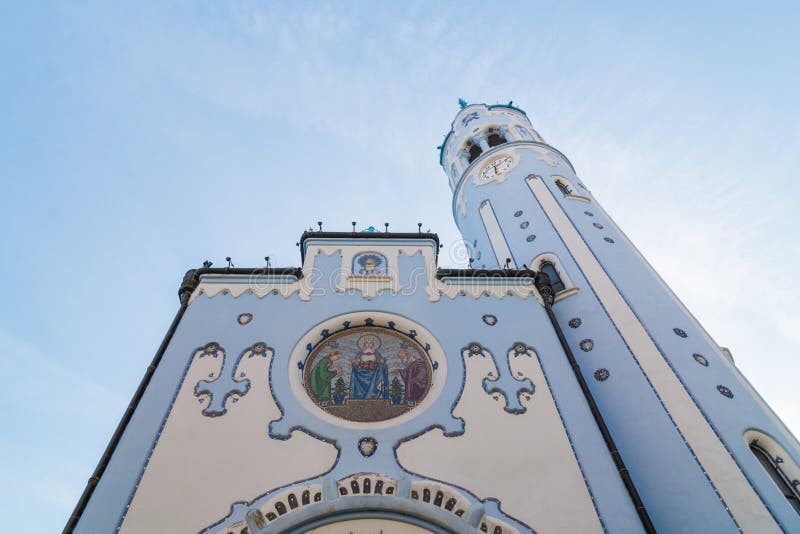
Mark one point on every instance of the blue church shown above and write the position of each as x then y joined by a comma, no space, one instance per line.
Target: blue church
555,385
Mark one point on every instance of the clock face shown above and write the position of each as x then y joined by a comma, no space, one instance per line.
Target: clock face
496,167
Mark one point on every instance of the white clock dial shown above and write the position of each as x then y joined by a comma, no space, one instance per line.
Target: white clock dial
503,164
488,173
499,166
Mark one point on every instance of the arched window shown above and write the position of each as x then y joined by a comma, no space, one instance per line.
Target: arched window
494,137
771,466
474,152
568,189
549,269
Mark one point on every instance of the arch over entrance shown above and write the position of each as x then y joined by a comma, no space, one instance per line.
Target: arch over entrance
369,522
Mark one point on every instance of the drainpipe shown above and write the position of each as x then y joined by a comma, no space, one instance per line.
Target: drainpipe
542,282
190,282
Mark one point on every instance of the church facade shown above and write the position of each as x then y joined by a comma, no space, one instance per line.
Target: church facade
557,385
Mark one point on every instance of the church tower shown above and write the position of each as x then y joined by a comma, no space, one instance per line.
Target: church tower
703,449
556,385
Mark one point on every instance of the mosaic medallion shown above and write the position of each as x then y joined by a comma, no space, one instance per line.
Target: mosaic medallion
491,320
524,225
244,318
725,391
575,322
369,264
367,374
679,332
601,375
518,213
530,238
587,345
608,240
700,359
367,446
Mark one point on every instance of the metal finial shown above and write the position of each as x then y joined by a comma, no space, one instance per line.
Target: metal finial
319,223
387,227
470,262
419,227
462,103
354,226
207,264
230,263
266,259
508,263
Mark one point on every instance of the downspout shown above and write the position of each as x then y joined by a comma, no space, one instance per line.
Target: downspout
190,282
542,282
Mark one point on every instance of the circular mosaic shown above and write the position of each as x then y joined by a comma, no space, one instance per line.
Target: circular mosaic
524,225
518,213
725,391
244,318
367,446
530,238
575,322
587,345
491,320
601,375
367,374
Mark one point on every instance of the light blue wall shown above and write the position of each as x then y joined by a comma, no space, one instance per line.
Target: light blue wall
676,492
660,312
280,323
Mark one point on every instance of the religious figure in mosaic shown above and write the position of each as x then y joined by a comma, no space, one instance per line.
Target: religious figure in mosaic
414,375
321,376
348,374
370,264
370,376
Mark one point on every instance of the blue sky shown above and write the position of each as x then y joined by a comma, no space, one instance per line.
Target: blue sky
138,141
